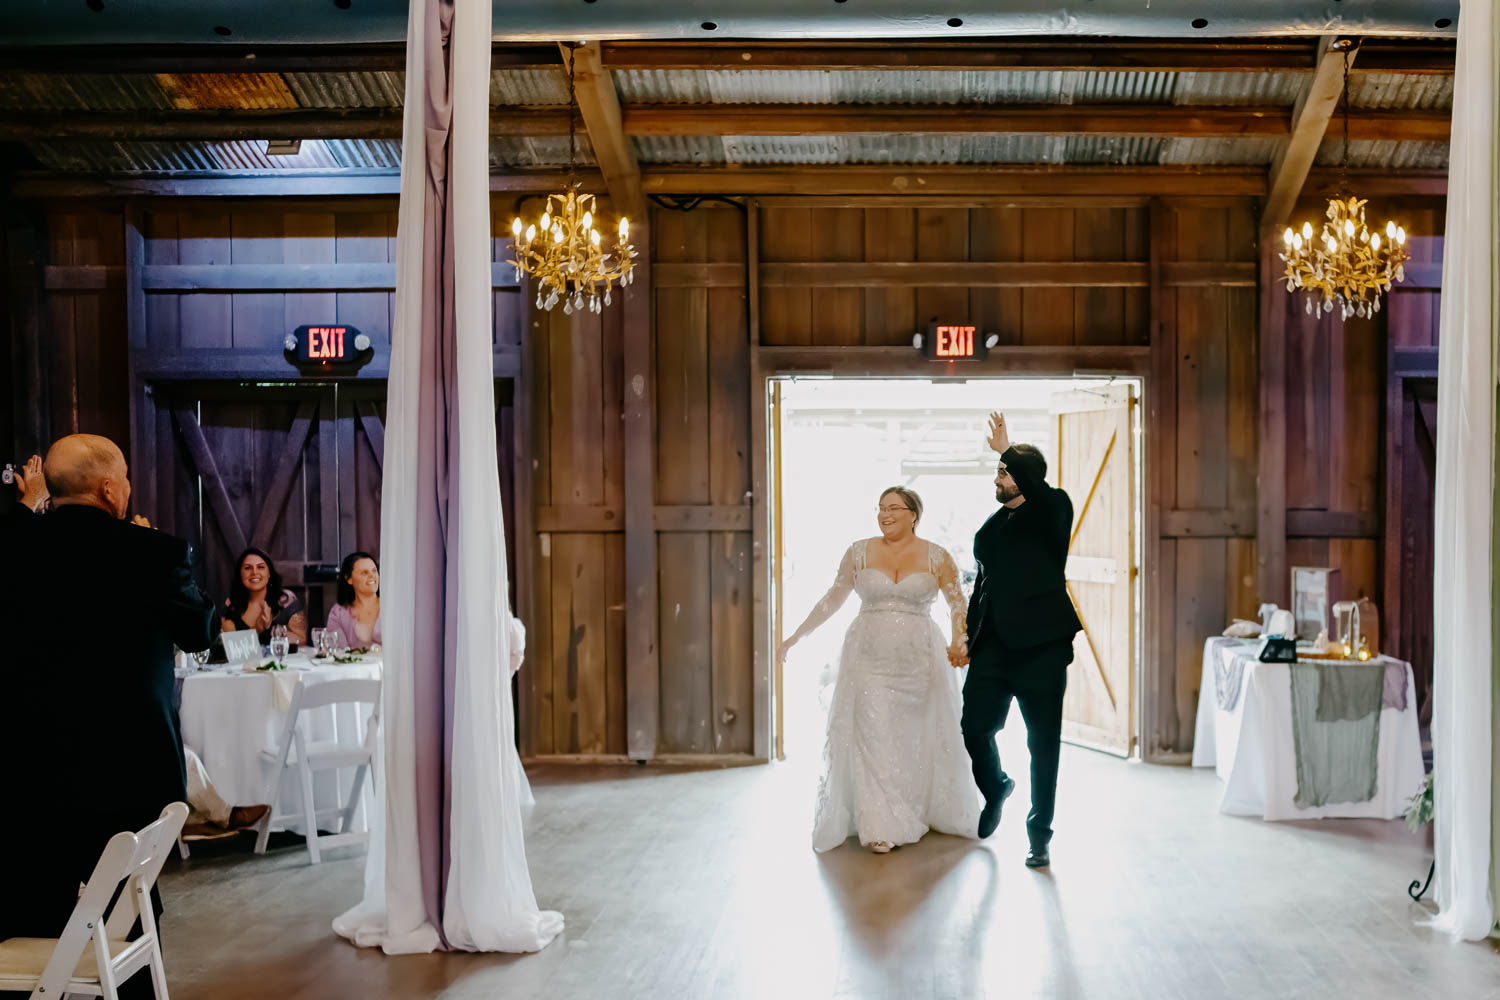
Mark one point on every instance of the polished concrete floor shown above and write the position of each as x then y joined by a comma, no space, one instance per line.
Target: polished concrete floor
702,884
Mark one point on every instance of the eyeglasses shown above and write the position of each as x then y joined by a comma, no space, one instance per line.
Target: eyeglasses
891,509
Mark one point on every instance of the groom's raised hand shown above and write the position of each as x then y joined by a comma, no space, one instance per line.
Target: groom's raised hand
999,436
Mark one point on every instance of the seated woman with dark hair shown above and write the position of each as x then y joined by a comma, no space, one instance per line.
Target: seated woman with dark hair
257,600
356,616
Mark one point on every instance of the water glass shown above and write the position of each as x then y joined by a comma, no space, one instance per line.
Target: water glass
280,643
335,641
319,642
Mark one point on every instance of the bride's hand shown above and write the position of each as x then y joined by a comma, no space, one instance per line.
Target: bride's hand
958,653
999,437
782,649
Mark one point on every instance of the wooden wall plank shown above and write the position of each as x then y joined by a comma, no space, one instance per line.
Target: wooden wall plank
890,312
729,655
1047,313
687,699
206,320
1099,313
942,235
837,314
580,633
310,238
61,330
995,233
786,313
640,596
365,237
615,658
257,237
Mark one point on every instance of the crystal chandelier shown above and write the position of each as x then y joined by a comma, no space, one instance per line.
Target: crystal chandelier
1346,266
563,252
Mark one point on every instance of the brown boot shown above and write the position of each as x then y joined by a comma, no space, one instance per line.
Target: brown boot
241,817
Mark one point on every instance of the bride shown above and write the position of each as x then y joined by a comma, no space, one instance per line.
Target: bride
894,765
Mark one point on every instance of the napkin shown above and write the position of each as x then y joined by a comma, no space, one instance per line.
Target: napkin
283,686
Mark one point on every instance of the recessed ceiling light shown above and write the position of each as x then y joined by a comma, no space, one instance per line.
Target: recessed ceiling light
219,29
1200,22
1442,22
955,22
709,26
283,147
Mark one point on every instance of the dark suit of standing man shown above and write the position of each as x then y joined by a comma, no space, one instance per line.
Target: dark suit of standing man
90,607
1021,628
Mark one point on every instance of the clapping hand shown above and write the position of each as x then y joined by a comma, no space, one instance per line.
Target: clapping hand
999,438
142,520
32,484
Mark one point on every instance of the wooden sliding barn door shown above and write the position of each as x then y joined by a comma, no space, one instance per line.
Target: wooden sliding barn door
1095,461
242,465
294,468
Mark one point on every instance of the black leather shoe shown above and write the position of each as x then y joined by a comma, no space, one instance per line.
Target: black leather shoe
989,816
1038,857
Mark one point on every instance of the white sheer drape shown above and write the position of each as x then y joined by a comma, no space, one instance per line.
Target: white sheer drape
1463,647
489,903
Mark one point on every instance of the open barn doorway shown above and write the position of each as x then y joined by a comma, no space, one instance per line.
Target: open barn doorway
835,443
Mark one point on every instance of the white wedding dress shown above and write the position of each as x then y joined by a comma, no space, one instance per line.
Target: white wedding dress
894,765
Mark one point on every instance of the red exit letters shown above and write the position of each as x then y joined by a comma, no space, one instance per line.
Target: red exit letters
325,342
954,342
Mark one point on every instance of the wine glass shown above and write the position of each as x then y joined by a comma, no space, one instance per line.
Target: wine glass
319,641
280,643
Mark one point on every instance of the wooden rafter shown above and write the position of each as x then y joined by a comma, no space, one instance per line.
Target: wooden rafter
722,119
1315,108
1419,56
615,155
213,481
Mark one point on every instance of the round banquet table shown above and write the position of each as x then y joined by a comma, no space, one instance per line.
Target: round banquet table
230,715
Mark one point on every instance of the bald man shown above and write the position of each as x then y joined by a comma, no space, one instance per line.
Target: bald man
90,608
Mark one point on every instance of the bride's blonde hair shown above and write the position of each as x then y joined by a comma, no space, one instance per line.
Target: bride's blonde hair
908,497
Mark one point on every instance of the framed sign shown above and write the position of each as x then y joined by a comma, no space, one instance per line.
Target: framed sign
240,645
954,342
1315,590
325,348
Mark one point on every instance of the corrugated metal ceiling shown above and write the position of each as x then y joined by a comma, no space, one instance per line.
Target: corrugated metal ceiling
547,87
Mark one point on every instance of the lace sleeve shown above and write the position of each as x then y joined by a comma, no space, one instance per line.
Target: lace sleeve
834,599
952,587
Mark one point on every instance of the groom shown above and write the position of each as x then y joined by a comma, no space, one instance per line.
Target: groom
1021,628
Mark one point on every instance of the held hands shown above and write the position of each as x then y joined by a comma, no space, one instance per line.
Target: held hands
958,653
999,437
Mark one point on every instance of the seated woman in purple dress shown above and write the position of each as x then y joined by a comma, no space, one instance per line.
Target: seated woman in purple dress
356,616
257,601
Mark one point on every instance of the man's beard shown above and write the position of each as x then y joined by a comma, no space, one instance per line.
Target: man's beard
1003,495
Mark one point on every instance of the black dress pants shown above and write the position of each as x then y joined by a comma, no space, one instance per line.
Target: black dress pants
1036,679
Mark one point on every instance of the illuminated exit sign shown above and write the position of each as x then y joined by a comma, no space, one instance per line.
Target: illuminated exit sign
953,342
334,347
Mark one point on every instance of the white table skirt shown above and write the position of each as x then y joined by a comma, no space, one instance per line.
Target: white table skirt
1252,750
228,717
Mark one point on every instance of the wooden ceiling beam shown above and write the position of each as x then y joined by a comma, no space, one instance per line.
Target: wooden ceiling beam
1315,108
1069,53
717,119
1421,56
613,151
958,181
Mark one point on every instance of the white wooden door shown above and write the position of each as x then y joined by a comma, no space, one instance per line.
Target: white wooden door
1095,462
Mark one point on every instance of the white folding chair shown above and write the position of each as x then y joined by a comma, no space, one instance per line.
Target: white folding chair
295,752
52,967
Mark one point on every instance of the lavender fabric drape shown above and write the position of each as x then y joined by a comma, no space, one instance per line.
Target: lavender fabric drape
447,866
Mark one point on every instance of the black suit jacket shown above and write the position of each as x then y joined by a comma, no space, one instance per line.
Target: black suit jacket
90,607
1020,594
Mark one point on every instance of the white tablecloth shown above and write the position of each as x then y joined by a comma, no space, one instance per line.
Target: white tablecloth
1251,746
228,717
